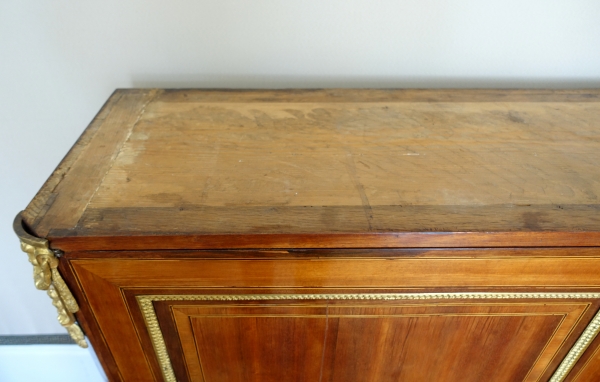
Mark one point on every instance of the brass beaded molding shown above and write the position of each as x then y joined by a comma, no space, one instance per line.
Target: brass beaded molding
158,341
46,277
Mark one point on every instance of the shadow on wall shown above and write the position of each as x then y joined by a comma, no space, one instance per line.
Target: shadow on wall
282,82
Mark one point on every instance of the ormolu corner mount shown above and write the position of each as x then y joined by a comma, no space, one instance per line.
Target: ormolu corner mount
46,277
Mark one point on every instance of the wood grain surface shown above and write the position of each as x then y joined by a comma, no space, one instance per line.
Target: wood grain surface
372,341
66,194
356,162
339,191
531,335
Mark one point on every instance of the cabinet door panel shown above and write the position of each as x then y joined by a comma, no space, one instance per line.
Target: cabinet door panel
449,315
338,337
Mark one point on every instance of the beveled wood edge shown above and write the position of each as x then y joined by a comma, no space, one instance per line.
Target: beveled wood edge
333,240
585,339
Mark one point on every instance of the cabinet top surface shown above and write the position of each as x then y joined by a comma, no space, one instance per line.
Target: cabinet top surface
318,162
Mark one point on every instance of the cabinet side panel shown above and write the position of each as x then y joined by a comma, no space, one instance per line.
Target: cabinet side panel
88,323
108,307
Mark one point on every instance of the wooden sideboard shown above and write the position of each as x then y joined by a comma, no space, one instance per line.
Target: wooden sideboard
329,235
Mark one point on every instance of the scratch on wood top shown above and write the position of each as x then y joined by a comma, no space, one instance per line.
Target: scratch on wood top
325,161
65,197
45,196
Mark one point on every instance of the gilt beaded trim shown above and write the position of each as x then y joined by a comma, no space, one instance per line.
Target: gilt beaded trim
147,308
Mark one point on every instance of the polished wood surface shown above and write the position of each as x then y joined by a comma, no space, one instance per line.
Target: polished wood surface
193,168
111,282
258,348
284,241
588,369
358,341
352,272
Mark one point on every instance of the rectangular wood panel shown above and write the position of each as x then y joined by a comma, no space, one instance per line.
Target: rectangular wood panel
202,164
113,287
389,272
341,340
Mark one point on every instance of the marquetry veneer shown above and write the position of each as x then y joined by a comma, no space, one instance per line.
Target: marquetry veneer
329,235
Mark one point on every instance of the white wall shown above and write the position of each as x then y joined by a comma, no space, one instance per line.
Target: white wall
62,363
60,60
